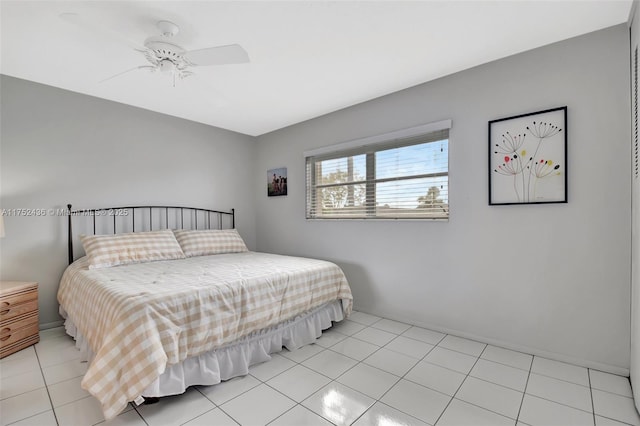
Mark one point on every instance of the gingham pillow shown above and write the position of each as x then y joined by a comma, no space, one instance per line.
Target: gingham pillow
204,242
105,251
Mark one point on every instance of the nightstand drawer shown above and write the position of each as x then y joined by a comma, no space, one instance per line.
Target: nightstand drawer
18,316
14,310
21,344
19,334
16,299
11,327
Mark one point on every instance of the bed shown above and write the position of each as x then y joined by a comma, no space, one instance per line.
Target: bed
154,328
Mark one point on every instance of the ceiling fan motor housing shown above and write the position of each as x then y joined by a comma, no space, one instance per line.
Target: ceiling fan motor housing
164,50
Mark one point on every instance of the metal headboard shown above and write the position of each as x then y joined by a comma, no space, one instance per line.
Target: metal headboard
208,219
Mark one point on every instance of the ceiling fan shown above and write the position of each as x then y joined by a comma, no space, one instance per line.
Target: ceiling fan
165,56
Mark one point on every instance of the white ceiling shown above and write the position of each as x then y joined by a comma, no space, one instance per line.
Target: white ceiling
308,58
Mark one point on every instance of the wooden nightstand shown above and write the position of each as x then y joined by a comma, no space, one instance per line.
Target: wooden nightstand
18,316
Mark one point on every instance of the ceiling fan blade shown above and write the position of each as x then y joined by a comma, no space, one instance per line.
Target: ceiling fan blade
98,29
219,55
149,67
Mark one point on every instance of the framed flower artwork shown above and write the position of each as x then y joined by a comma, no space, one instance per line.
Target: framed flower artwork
528,158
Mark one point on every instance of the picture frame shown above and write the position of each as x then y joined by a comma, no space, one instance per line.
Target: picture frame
277,182
528,158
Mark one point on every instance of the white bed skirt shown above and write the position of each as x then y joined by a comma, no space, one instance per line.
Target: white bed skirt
235,358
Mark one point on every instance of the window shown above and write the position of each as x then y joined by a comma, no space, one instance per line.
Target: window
393,178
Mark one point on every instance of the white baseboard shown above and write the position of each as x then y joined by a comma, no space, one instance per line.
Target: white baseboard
48,325
607,368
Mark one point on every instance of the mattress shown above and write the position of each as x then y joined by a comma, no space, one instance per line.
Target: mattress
139,319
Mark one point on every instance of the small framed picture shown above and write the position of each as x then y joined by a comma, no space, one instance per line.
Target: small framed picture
277,182
528,158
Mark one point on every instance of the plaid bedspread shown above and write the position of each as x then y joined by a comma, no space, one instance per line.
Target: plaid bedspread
140,318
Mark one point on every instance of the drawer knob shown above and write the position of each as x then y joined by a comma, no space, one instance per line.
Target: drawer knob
6,304
3,338
5,312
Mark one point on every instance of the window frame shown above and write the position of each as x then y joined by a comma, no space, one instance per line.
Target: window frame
428,133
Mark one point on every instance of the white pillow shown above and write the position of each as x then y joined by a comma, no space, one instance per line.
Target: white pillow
204,242
105,251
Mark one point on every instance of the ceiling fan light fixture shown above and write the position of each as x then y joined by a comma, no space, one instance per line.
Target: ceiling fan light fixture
166,66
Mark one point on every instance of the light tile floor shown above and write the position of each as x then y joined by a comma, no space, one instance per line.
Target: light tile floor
365,371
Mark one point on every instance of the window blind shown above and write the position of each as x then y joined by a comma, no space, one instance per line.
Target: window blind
403,178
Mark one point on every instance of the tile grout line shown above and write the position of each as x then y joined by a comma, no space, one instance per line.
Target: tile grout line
407,372
357,360
399,379
241,393
362,362
376,400
497,384
55,415
331,380
296,402
426,387
478,358
466,353
616,420
563,404
183,423
503,364
350,368
216,406
593,408
489,381
362,340
461,384
524,392
576,384
135,408
228,414
46,387
103,421
443,347
402,377
563,380
555,401
262,382
290,409
21,393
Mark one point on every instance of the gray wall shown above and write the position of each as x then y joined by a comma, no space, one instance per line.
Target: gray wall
471,275
60,147
549,279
